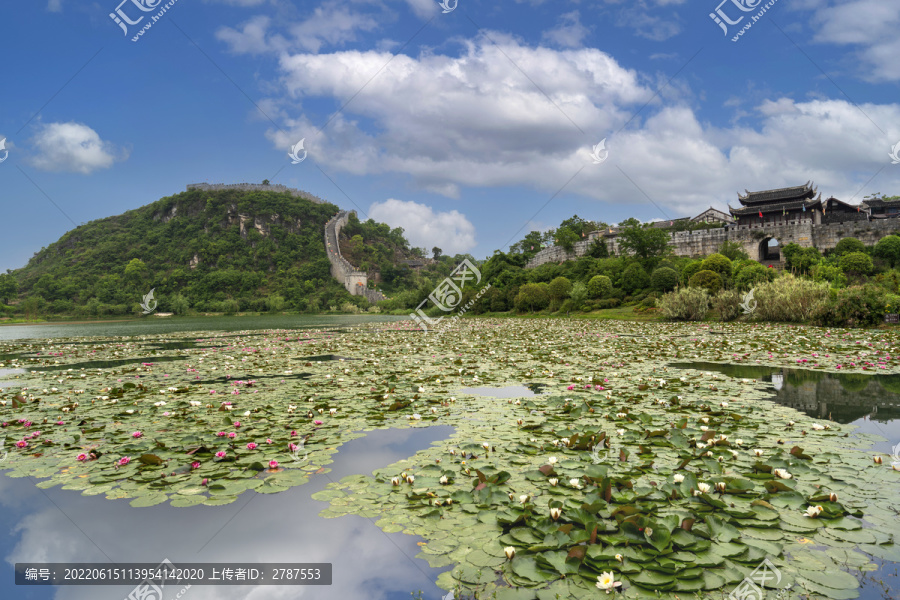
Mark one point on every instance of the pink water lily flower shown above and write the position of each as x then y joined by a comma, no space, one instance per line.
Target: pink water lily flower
195,464
251,446
136,434
124,461
220,454
232,434
82,457
237,423
273,464
21,444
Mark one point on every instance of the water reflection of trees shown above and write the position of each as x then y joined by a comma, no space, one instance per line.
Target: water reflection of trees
841,397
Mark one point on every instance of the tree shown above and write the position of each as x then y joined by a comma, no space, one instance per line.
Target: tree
436,252
559,289
600,286
644,242
533,296
708,280
635,278
566,238
798,258
847,245
752,275
718,263
265,182
733,251
136,272
856,263
9,287
664,279
887,248
689,271
598,248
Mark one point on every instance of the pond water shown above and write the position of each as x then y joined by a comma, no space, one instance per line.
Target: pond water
161,326
871,402
57,525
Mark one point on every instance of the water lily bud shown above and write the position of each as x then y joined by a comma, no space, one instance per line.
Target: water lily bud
878,460
720,487
486,446
395,481
620,558
410,479
523,498
678,477
790,423
554,481
519,422
511,495
832,497
437,502
555,513
758,452
723,437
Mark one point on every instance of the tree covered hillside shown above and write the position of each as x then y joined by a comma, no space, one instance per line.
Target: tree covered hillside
201,250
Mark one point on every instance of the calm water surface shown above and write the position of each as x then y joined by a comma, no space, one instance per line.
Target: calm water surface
163,325
57,525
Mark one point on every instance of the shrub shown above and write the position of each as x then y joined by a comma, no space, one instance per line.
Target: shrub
857,306
599,286
578,295
718,264
532,296
708,280
856,263
689,270
179,304
275,303
797,258
847,245
608,303
349,307
664,279
733,251
829,273
753,275
684,304
892,303
789,298
727,305
635,278
888,248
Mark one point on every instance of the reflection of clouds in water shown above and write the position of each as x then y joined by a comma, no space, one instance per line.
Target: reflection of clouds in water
272,528
778,380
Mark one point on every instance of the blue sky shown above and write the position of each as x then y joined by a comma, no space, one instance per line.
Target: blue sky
467,128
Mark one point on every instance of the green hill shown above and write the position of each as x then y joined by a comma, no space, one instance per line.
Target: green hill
201,250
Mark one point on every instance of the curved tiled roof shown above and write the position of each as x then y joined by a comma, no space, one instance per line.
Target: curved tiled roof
781,194
777,208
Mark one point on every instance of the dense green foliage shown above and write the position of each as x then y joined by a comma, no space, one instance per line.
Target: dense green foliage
218,251
708,280
664,279
849,244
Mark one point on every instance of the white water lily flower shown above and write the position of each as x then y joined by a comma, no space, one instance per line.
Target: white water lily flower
782,474
703,487
723,437
564,441
246,413
332,411
705,419
486,446
552,460
701,445
410,479
739,441
555,513
606,581
818,427
678,477
621,415
720,486
790,423
195,403
553,481
443,479
813,511
510,552
130,411
758,452
523,498
575,483
421,389
620,431
417,416
160,403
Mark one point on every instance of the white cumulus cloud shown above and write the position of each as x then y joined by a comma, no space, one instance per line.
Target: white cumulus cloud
73,147
424,228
